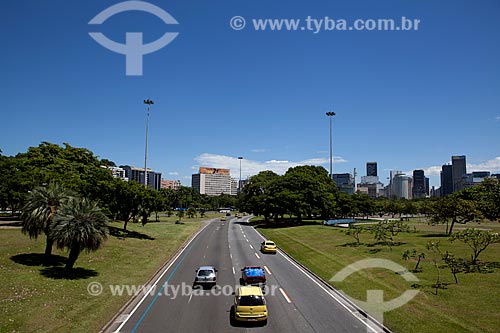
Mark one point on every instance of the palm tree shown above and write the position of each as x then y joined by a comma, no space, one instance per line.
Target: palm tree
39,210
79,225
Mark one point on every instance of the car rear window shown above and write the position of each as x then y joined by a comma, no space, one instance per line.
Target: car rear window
204,273
251,300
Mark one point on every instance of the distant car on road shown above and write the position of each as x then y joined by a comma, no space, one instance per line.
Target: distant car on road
268,247
249,305
205,276
223,218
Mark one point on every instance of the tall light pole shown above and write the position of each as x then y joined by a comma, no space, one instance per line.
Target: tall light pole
239,184
330,115
149,103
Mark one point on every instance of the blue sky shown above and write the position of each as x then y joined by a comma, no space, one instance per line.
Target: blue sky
406,99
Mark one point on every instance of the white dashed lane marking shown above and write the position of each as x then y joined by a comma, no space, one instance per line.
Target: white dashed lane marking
285,296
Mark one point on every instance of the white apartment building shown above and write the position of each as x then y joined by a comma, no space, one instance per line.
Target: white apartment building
212,181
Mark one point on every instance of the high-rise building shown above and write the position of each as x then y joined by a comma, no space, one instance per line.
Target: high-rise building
419,187
212,181
459,170
371,169
391,190
446,180
344,182
137,175
402,186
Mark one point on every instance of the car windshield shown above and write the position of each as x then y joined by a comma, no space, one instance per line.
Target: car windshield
205,272
269,243
251,300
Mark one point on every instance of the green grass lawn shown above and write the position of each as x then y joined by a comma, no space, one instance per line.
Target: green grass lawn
469,306
35,298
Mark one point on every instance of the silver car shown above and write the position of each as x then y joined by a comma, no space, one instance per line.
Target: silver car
205,276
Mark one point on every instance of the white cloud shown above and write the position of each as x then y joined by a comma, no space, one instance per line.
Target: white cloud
258,150
251,167
174,173
490,165
497,118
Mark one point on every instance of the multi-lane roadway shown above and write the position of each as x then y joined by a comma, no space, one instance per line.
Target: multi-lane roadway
296,301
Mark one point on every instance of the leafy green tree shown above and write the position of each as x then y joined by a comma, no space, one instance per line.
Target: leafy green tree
355,231
364,204
191,212
40,209
434,248
80,225
15,182
346,206
256,193
311,191
477,240
77,169
487,197
407,255
159,204
455,209
453,264
385,231
180,214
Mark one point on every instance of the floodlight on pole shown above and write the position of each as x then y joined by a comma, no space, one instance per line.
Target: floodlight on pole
330,115
149,103
239,184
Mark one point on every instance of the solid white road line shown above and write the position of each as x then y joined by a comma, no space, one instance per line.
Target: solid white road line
285,296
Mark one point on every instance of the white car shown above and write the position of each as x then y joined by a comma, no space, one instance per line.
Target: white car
205,276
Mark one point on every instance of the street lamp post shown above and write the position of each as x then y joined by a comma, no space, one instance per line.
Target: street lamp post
330,114
239,184
149,103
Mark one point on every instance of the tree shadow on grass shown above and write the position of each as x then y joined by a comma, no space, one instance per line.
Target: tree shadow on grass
433,235
38,259
351,244
58,273
121,234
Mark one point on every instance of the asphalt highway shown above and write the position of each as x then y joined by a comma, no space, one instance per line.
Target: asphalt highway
296,301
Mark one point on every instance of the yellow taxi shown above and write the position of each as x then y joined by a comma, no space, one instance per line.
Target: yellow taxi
249,305
223,218
268,247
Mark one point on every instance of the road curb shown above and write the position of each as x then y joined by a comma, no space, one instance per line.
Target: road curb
112,324
331,288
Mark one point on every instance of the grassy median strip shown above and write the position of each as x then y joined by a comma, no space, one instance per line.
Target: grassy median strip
469,306
37,298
